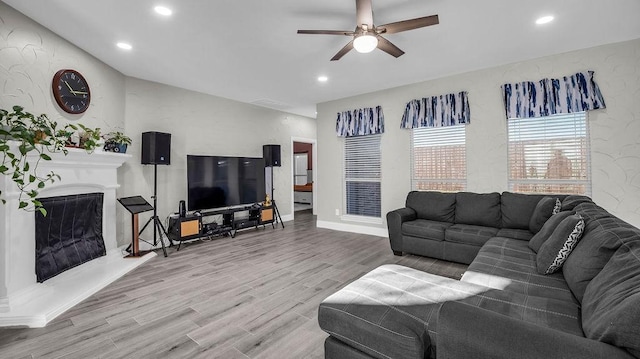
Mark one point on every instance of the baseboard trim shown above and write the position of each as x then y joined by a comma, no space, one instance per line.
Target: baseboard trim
353,228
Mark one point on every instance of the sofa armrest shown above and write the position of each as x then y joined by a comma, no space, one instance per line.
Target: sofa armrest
466,331
394,224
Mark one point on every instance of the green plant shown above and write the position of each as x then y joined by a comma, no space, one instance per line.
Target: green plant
89,138
118,138
25,140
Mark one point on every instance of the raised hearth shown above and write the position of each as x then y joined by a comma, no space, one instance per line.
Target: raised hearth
23,301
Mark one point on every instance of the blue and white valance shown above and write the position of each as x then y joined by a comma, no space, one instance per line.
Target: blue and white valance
360,122
547,97
437,111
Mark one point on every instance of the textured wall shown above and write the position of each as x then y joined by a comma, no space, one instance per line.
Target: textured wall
29,57
615,143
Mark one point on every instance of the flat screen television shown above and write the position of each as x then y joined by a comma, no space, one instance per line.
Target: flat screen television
218,181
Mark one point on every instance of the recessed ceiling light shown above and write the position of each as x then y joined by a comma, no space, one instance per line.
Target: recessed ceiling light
162,10
323,78
124,46
544,20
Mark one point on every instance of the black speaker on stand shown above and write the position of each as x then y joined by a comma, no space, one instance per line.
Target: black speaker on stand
156,150
271,155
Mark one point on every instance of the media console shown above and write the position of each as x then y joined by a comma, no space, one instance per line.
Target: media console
192,226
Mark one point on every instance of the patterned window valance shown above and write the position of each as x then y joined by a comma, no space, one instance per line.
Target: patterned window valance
360,122
547,97
437,111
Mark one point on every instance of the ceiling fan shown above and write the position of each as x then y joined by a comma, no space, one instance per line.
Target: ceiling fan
367,36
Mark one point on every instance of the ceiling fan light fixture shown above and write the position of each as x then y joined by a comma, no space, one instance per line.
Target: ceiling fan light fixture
365,43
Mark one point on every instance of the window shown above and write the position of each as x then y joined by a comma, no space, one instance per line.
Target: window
439,159
362,176
550,154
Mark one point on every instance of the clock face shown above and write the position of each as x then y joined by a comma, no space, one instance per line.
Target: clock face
71,91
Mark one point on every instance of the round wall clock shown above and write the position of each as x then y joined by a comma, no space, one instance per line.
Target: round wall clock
71,91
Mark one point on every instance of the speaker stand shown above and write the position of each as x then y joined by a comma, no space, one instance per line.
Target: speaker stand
157,223
273,202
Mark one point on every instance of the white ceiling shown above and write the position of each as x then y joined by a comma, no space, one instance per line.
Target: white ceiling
249,50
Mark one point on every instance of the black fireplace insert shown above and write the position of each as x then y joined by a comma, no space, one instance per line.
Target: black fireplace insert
69,235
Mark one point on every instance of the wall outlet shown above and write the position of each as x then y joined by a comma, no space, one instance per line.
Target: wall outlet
337,212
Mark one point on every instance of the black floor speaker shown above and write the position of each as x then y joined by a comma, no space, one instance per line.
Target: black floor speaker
156,148
271,155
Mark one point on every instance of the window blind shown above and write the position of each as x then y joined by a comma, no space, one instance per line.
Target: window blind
550,154
362,175
439,159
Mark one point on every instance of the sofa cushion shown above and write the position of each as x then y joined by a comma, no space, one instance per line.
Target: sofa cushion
435,206
557,248
547,229
602,237
468,234
543,211
517,208
571,201
611,304
521,234
423,228
481,209
510,265
392,311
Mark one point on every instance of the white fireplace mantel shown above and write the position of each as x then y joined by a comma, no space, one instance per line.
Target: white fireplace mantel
23,301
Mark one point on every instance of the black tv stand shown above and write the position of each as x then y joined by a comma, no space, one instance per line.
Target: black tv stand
192,225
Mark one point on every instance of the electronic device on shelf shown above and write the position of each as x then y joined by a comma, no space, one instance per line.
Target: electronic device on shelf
182,209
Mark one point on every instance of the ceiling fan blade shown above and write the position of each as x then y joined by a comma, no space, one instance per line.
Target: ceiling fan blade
364,13
386,46
405,25
327,32
343,51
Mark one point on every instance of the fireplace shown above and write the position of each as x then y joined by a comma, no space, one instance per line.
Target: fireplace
69,235
24,300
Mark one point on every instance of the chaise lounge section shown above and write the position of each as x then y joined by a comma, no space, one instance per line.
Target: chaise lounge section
503,306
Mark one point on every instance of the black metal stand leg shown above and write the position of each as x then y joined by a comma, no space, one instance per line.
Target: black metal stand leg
145,225
275,208
160,229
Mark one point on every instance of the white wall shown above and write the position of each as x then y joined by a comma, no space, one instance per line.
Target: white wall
200,124
29,57
615,143
204,125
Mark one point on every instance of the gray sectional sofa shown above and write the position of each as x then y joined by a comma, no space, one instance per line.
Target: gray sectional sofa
503,307
454,226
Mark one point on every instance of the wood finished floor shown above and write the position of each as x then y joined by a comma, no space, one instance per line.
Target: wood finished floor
253,296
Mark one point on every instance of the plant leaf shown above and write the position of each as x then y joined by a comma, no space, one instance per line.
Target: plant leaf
45,157
22,204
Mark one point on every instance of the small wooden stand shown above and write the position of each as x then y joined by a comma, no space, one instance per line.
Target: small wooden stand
135,205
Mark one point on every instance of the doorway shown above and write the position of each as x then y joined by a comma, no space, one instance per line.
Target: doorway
304,175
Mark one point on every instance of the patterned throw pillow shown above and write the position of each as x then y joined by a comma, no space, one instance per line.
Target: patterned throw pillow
545,208
557,207
555,250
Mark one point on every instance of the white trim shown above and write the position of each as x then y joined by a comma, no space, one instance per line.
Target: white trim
314,162
353,228
361,219
37,305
